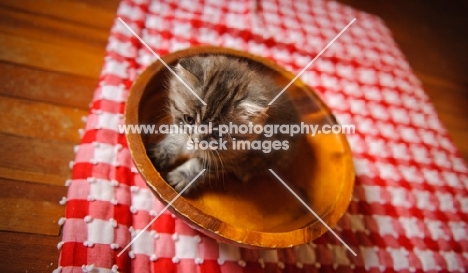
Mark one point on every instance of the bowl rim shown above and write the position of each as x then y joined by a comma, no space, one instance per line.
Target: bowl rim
208,224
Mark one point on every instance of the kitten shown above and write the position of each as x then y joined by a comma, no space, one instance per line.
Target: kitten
236,91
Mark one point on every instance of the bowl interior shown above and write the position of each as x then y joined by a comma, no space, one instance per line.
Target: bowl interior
262,212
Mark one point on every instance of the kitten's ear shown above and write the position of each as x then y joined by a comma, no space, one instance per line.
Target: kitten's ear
253,111
191,68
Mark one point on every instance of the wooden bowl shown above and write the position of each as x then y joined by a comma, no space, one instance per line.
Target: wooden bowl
263,213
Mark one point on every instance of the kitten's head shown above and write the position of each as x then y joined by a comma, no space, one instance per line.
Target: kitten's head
233,92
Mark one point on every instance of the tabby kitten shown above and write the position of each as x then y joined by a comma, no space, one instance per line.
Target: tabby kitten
236,91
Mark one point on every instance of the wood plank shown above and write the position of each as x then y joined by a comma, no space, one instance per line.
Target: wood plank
47,29
459,137
451,120
26,155
30,208
21,252
38,85
110,5
452,106
54,57
40,120
437,81
99,14
51,57
449,99
34,177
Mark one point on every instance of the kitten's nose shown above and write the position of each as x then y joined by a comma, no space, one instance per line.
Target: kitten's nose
206,137
200,137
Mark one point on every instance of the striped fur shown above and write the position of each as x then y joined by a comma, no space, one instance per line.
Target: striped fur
234,91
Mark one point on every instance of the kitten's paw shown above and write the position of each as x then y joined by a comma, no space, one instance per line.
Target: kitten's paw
179,180
163,156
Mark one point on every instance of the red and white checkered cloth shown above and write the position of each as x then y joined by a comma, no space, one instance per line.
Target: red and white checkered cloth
410,203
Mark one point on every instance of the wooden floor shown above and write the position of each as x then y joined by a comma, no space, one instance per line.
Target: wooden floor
51,53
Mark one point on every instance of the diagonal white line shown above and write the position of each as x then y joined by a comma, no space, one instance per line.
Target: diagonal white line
312,211
161,212
311,62
159,58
